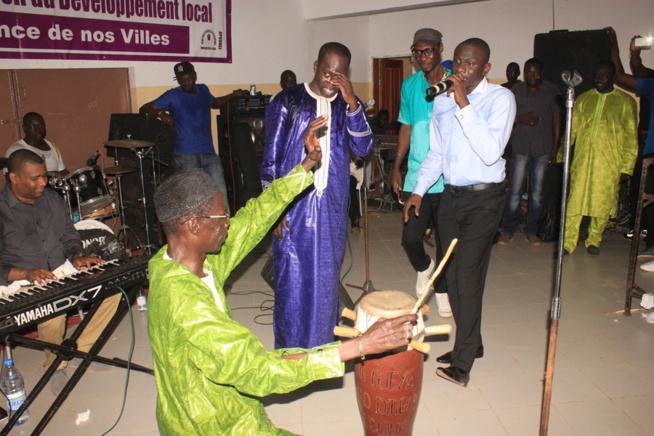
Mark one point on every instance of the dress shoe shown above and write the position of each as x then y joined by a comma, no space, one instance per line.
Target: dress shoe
454,374
447,357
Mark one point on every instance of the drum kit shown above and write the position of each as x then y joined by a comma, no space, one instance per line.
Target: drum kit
85,192
142,150
88,195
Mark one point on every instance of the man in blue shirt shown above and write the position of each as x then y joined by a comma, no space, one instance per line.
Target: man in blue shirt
470,128
415,116
642,82
188,109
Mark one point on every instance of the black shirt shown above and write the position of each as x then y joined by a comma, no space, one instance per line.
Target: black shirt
39,235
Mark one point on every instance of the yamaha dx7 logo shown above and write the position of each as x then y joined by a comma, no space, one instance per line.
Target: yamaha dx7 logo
61,305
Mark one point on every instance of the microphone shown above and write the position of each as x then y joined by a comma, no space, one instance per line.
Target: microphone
571,79
93,159
369,103
438,89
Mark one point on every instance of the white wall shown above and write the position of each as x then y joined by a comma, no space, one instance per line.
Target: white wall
269,36
354,33
509,26
313,9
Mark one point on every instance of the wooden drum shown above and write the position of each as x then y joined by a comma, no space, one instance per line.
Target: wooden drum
388,386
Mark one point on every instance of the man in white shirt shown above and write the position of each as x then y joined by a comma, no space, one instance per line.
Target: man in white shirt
34,141
470,128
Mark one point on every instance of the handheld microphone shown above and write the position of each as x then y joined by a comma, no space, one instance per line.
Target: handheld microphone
369,103
93,159
438,89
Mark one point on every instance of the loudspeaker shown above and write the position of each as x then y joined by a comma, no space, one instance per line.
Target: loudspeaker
241,142
564,50
256,122
145,128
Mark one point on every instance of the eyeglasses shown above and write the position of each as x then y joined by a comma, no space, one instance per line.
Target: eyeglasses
213,216
429,52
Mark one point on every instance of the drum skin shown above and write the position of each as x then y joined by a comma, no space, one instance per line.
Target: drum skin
388,392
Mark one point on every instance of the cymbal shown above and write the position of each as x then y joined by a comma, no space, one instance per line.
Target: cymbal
128,143
120,170
3,162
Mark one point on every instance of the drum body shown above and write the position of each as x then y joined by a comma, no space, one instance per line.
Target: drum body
388,386
91,188
55,181
100,214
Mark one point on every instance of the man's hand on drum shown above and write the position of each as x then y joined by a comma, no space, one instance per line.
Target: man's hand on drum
81,261
382,336
388,334
414,201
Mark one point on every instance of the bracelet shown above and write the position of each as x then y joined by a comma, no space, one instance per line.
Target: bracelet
363,356
399,154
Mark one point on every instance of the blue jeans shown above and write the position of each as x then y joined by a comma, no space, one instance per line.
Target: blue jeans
210,162
520,165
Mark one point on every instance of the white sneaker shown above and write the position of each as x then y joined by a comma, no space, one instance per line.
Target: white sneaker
443,302
648,266
423,278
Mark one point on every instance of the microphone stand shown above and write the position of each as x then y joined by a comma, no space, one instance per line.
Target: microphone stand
368,287
571,80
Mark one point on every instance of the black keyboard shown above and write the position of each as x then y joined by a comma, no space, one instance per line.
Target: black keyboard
38,303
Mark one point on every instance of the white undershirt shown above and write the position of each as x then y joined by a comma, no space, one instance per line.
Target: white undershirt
323,107
208,280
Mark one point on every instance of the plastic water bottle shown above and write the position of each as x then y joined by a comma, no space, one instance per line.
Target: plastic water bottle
13,387
141,301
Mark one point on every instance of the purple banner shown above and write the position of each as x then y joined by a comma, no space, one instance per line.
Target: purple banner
144,30
26,31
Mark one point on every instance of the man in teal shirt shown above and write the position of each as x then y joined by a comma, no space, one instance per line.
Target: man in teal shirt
415,116
209,369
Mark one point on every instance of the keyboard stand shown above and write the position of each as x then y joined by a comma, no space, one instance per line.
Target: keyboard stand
68,350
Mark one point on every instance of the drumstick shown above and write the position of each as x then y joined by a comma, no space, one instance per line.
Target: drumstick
441,265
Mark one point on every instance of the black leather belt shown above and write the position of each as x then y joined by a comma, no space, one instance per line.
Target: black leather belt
473,188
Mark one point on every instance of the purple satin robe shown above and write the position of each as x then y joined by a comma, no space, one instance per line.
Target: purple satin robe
307,262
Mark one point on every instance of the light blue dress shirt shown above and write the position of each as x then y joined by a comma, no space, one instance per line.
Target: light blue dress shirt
466,145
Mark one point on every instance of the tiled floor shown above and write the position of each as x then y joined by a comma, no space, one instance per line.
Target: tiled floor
603,382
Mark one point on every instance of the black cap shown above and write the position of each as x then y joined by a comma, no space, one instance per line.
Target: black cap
183,68
427,36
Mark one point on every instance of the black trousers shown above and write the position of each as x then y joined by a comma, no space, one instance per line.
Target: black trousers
473,217
414,231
